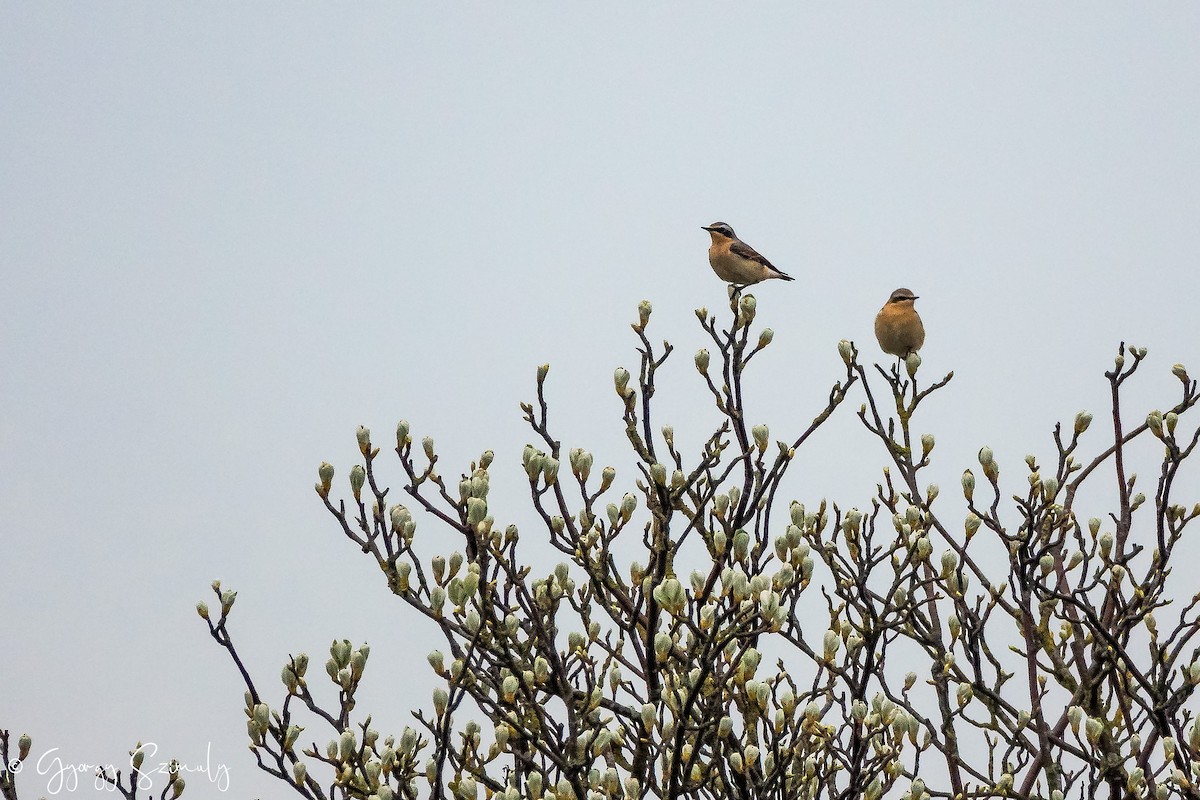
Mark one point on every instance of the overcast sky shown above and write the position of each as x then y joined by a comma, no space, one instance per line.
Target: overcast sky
232,233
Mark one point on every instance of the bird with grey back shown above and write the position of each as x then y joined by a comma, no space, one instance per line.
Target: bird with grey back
898,325
737,262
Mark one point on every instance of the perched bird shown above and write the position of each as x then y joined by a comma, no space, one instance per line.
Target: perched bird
898,326
737,262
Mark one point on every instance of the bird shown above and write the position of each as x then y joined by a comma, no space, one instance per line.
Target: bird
737,262
898,325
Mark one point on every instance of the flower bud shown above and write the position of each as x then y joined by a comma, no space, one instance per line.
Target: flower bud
912,362
658,474
1075,717
1155,420
1106,543
1049,488
746,309
358,477
550,470
427,446
670,596
1093,728
23,745
846,351
831,644
621,380
761,434
542,371
363,434
628,504
325,472
702,361
927,443
1082,420
648,716
202,609
662,643
1179,371
644,310
606,478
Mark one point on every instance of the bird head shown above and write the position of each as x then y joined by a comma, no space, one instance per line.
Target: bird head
720,229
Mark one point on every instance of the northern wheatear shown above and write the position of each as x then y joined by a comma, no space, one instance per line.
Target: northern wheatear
898,326
737,262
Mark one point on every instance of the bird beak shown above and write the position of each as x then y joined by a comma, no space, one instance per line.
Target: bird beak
705,228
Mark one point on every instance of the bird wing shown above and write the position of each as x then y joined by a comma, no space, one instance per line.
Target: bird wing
740,248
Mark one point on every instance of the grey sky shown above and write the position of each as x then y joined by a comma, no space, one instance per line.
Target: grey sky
233,233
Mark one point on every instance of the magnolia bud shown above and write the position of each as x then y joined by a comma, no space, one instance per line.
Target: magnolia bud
644,310
542,371
202,609
1179,371
621,380
550,470
912,362
746,309
363,434
325,471
846,351
831,644
628,504
427,446
23,745
648,716
606,478
1075,717
1155,420
702,361
441,699
968,485
1106,543
1082,420
927,443
658,474
761,433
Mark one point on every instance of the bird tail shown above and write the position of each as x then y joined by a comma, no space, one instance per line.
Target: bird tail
783,276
